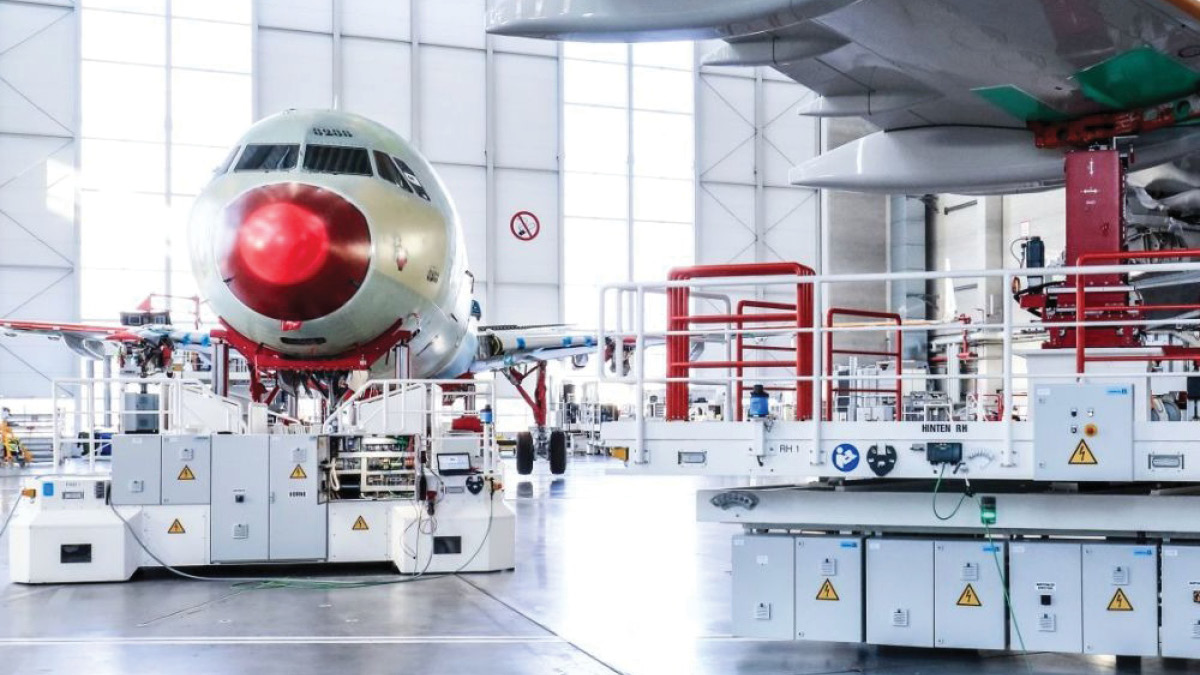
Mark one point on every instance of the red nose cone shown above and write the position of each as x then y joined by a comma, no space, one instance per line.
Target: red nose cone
294,252
283,243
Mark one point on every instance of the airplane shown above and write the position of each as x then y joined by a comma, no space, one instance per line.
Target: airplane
969,97
322,242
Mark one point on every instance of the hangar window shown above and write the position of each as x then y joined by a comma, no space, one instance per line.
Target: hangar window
261,157
337,159
412,179
389,172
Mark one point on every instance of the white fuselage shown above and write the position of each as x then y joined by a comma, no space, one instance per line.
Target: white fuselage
413,256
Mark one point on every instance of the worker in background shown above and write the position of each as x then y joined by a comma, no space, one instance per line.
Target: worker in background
14,450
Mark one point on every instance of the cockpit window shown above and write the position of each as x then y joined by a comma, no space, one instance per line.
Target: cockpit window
389,172
268,158
412,179
337,159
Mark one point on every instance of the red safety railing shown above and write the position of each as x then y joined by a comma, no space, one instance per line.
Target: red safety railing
896,354
1169,353
680,320
788,317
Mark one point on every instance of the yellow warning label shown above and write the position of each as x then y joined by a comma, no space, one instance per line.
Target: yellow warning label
360,524
827,592
176,528
298,472
186,473
1083,454
1119,602
968,598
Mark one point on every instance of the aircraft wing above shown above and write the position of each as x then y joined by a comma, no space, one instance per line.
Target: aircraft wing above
920,64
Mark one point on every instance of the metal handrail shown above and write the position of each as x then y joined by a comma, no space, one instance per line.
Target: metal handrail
817,283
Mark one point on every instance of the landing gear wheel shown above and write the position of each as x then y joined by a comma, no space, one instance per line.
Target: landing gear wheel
558,453
524,453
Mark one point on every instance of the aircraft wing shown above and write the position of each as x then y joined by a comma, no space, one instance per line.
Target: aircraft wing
505,346
950,75
96,341
89,341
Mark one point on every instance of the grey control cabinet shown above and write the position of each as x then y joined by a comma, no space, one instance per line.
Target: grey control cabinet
829,589
240,522
1120,599
900,592
1083,432
186,467
969,607
298,516
1046,589
764,586
136,469
1181,601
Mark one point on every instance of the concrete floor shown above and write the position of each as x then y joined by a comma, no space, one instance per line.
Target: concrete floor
613,576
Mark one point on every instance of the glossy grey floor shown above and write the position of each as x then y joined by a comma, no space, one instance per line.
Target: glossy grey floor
613,576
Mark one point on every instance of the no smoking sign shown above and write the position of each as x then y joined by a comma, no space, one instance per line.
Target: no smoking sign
525,226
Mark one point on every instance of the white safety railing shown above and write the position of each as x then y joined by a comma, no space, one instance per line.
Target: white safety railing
426,408
89,411
628,322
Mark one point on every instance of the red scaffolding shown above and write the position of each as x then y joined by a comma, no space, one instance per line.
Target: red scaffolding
680,320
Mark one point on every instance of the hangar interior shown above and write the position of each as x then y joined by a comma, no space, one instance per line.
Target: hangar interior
617,190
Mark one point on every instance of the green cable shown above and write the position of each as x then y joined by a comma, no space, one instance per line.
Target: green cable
936,487
1003,581
991,544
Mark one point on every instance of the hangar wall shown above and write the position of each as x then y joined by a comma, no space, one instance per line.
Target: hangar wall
39,142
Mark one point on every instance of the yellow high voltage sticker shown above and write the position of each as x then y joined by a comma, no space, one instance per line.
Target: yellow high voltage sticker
827,592
298,472
176,528
186,473
1083,454
968,598
360,524
1119,602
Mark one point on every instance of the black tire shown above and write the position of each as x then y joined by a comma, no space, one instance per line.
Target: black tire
524,453
558,453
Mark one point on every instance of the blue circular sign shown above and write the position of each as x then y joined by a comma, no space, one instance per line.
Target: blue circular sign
845,457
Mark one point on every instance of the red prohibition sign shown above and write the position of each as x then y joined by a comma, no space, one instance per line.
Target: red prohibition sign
525,226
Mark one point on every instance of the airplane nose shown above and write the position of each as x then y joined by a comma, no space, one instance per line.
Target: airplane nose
293,252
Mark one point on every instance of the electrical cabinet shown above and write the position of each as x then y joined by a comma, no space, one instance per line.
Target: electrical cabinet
1120,599
829,589
298,514
1045,588
240,498
1083,432
900,592
1181,601
969,609
136,469
764,586
186,466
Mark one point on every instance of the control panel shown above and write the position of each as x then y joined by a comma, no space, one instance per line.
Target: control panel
1083,432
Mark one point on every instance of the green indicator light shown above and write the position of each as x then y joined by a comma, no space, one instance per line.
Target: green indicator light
987,510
